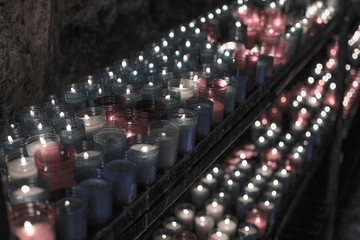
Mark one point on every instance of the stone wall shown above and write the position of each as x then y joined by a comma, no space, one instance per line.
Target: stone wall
47,43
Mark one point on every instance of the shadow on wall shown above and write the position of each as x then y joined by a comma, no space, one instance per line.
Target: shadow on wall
45,44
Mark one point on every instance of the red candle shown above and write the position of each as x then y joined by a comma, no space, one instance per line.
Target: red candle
272,158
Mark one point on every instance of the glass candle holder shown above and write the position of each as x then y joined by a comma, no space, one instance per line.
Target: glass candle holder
132,126
20,164
71,133
39,127
257,215
61,113
113,141
183,86
171,225
228,225
167,134
89,155
214,90
161,234
12,136
209,181
31,189
199,194
148,110
95,91
56,164
96,190
39,141
122,174
146,150
204,224
248,231
94,118
215,209
111,105
242,202
186,120
185,212
71,222
31,113
151,90
238,176
204,110
230,95
207,52
35,220
171,100
131,93
75,95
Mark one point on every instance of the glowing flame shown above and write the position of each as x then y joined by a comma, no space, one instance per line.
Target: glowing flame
200,188
25,189
87,117
10,139
144,149
183,116
23,161
68,128
86,155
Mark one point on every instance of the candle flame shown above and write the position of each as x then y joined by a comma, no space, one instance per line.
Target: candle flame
208,70
227,221
68,128
246,228
151,84
186,211
179,64
167,97
264,167
40,126
185,58
197,31
72,90
32,113
123,64
258,177
11,140
52,102
87,117
244,163
100,91
144,149
163,134
230,182
86,155
219,234
25,189
187,43
202,219
66,203
237,173
42,141
151,65
29,229
214,204
119,80
283,171
183,116
221,194
174,224
246,197
250,185
276,182
209,176
23,161
157,49
200,188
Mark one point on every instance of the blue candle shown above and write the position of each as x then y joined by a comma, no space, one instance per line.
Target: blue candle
269,60
186,120
238,176
75,96
97,192
242,78
199,195
209,181
224,198
260,72
242,202
203,108
171,100
123,176
71,223
231,186
96,91
230,95
71,133
284,177
146,150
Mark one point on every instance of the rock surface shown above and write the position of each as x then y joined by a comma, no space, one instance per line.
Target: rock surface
47,43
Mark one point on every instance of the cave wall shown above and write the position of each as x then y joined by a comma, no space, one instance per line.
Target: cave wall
47,43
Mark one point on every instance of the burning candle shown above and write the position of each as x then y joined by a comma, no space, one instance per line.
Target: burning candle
20,164
112,105
244,166
185,212
214,208
270,206
231,186
204,224
199,194
71,133
161,234
112,139
257,215
94,119
37,142
242,202
248,231
238,176
252,190
27,226
171,100
28,190
214,90
123,177
186,120
209,181
264,170
223,197
228,225
218,235
171,225
71,223
183,86
75,96
146,150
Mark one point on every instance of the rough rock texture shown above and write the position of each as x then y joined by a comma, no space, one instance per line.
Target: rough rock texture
47,43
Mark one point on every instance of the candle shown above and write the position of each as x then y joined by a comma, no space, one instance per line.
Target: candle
97,192
228,225
257,215
209,181
37,142
218,235
248,231
146,150
257,129
204,224
264,170
252,190
223,197
274,196
185,212
12,141
27,226
204,110
20,165
242,79
112,105
28,190
244,166
272,159
231,186
167,135
151,90
184,86
70,221
242,202
89,156
214,90
258,181
94,118
171,100
172,226
71,133
186,120
123,177
238,176
148,110
48,161
131,94
199,194
112,139
270,206
161,234
75,96
230,95
215,209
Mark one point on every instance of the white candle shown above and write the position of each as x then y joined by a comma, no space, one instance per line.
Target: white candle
36,145
143,148
22,167
36,230
215,210
219,235
228,226
185,214
26,192
203,226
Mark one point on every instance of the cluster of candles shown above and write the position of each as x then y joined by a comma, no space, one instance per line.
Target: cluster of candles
240,197
72,159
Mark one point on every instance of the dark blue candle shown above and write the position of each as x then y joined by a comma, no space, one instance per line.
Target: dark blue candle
209,181
97,191
242,78
238,176
230,95
71,132
242,202
123,176
203,108
71,223
260,72
75,96
232,187
186,120
199,194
